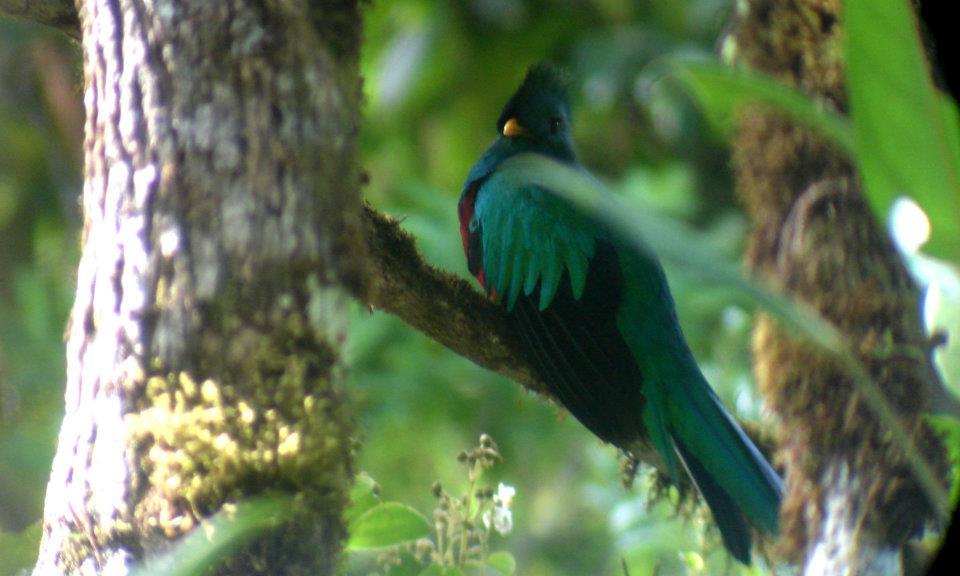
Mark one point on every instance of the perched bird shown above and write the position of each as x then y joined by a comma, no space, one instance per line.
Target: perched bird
599,322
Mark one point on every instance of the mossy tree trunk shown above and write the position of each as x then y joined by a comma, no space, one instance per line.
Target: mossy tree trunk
221,239
852,501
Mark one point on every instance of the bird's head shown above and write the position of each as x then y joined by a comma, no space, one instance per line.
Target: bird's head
537,118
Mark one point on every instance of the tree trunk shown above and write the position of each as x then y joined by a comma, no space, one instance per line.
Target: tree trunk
852,500
221,239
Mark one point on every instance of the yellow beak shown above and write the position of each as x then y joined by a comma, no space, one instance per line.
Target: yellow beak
513,128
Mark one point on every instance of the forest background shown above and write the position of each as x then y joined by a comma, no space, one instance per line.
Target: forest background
435,77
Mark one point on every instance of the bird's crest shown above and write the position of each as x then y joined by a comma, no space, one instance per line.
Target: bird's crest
546,77
545,82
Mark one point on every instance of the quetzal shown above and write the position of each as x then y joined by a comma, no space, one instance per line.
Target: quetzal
599,322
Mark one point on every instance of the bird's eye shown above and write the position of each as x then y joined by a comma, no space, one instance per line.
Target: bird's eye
555,124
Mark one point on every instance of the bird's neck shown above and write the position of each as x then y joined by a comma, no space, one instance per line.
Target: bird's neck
505,148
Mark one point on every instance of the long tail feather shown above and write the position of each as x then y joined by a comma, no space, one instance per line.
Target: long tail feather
733,526
720,456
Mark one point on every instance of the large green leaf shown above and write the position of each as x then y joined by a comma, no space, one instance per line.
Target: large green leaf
503,562
669,239
387,524
905,133
688,252
722,92
207,545
363,496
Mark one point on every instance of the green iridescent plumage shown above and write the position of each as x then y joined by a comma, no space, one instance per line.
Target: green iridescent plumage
599,322
521,253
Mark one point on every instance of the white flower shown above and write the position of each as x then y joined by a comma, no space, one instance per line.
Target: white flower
504,495
500,516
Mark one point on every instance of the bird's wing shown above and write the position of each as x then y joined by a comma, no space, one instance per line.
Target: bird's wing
581,355
563,285
528,239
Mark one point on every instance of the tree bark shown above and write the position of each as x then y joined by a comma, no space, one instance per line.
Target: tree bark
852,500
221,240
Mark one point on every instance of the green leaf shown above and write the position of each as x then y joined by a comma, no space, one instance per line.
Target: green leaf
387,524
670,240
208,545
723,92
905,135
952,116
363,496
690,253
503,562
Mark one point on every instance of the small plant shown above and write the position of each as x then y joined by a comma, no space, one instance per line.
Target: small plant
458,541
463,525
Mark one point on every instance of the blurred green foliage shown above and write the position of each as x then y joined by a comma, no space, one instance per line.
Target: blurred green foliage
435,77
39,185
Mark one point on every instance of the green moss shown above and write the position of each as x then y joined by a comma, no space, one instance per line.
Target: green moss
272,421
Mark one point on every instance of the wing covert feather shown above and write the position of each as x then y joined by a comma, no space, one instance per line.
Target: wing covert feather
552,237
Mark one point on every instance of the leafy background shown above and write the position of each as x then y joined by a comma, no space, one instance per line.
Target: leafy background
436,74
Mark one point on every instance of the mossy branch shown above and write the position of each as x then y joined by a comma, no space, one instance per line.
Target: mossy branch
443,306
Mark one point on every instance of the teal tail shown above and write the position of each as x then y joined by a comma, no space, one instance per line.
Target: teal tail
734,478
